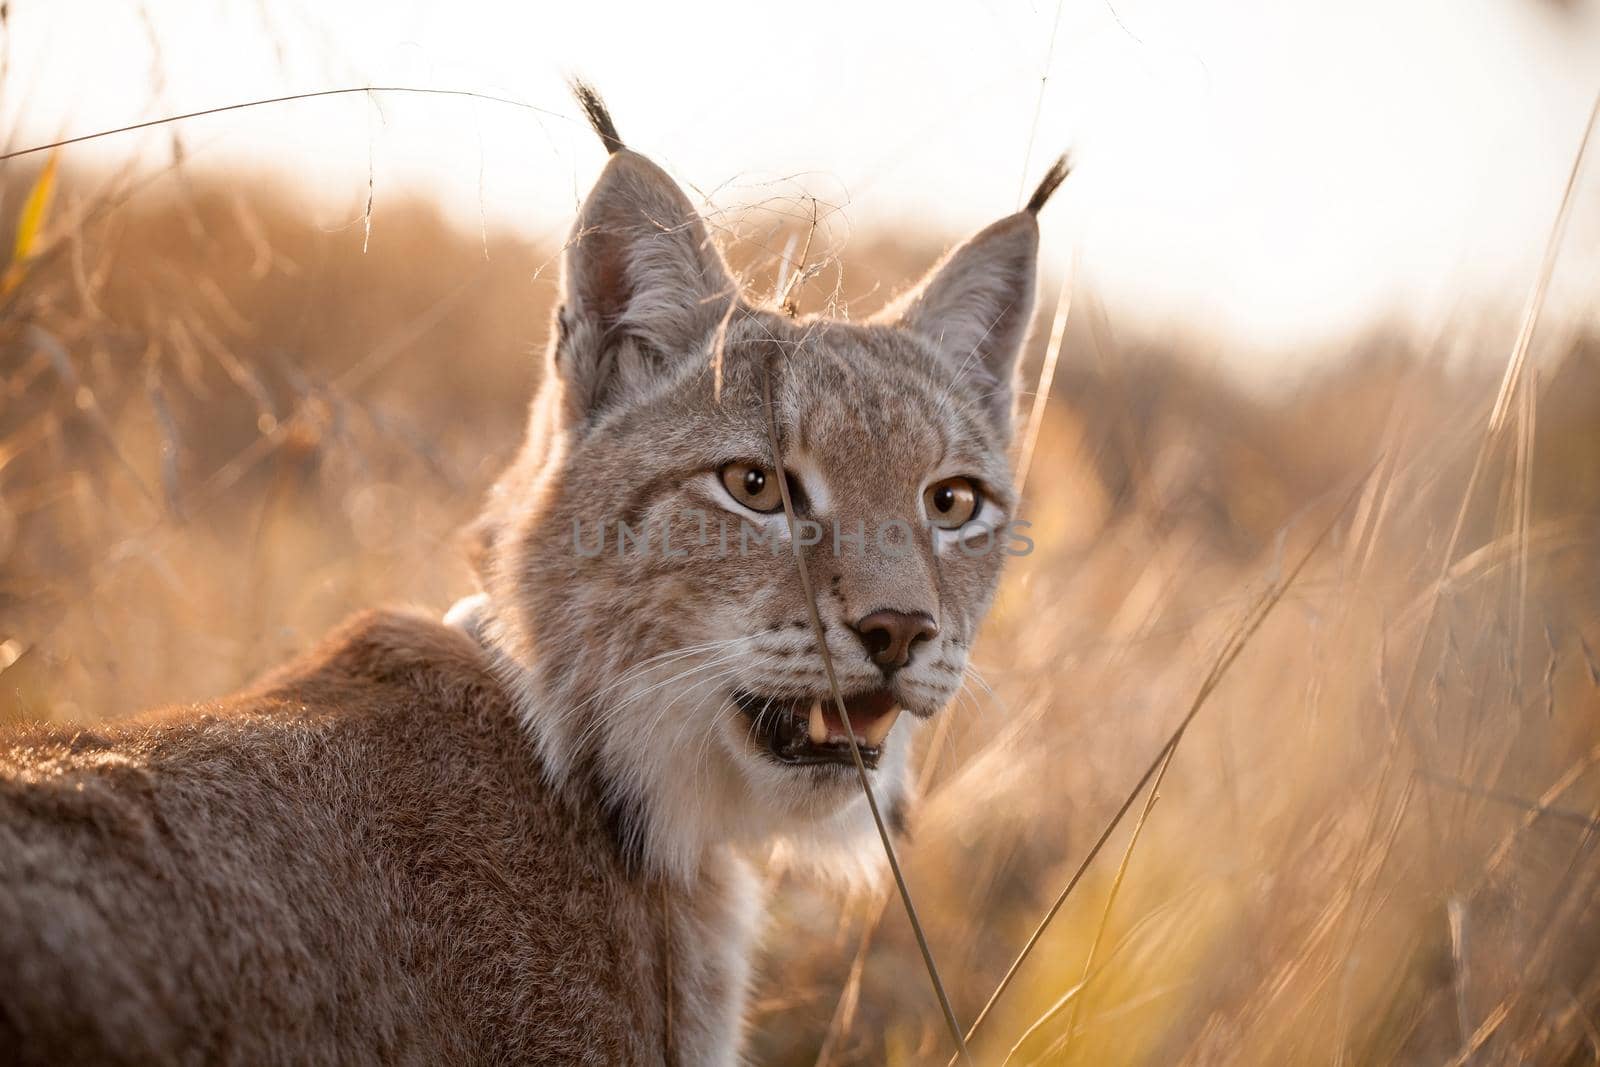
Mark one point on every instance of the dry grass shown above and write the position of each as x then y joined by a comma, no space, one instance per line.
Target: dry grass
224,428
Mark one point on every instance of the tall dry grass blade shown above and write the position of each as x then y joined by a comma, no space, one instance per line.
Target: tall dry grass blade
1529,438
1482,1034
844,1009
1060,1045
1231,651
265,101
1456,913
372,196
1541,286
1047,376
1055,1009
844,716
1075,990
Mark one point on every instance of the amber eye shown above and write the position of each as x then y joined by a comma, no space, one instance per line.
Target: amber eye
951,503
754,487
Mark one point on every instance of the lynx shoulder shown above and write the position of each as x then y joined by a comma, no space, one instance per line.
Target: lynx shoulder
358,861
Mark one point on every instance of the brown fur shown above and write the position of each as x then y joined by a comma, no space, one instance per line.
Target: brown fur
356,863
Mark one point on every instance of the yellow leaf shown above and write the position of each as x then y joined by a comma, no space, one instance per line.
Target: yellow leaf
34,209
29,223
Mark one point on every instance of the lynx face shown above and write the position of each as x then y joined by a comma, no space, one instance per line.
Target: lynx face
640,575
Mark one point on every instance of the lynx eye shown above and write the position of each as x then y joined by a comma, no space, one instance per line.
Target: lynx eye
754,487
951,503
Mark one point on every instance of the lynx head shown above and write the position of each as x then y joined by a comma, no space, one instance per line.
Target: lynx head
639,569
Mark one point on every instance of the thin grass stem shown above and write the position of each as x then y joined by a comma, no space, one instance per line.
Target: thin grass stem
844,716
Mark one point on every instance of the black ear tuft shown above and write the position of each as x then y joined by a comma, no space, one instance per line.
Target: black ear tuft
599,116
1052,181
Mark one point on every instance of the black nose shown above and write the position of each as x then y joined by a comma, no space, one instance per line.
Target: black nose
891,635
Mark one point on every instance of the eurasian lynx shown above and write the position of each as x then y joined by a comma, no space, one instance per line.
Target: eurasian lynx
524,836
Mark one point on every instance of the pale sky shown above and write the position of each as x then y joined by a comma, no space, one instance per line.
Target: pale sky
1274,171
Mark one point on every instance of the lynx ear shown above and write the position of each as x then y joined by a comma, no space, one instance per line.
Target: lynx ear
976,307
642,283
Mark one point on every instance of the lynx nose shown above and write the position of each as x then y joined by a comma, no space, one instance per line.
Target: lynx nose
891,635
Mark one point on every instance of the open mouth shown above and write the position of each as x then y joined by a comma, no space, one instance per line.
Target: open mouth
809,730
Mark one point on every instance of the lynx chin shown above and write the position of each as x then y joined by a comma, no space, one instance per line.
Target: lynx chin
524,834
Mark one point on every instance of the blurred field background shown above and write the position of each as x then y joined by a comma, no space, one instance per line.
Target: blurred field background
226,424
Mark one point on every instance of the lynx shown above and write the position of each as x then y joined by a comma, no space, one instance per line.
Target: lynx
525,833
